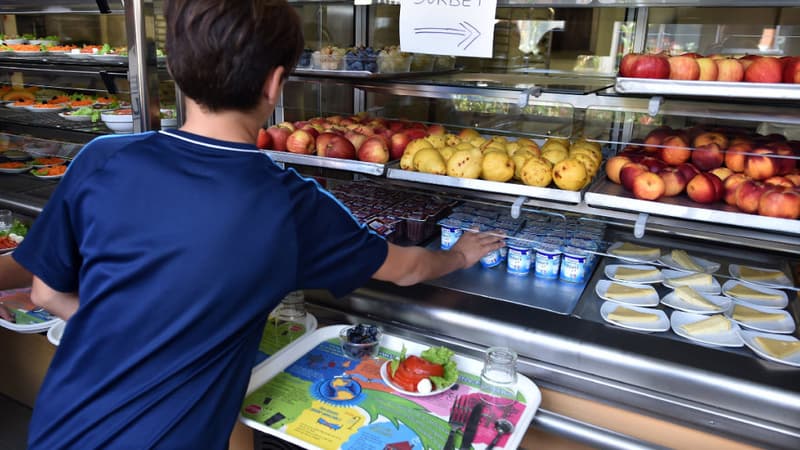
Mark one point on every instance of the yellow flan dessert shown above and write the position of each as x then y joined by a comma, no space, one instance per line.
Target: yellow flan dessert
683,259
714,324
744,314
695,279
626,315
692,297
778,348
742,291
753,274
635,251
631,274
621,292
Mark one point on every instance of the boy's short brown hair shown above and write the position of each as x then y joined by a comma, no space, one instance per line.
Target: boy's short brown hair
220,52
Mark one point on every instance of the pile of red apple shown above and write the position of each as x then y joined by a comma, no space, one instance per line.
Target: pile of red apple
693,66
756,174
361,137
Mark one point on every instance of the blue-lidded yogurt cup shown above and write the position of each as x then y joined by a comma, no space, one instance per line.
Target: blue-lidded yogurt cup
548,261
574,264
520,256
494,257
451,231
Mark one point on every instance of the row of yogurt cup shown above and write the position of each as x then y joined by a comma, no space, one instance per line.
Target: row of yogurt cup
557,249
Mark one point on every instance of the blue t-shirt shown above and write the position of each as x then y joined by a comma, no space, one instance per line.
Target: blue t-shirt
179,246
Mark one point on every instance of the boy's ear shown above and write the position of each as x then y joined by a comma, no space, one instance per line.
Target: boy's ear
273,84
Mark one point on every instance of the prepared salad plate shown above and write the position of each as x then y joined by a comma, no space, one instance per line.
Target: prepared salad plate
627,293
46,108
701,282
760,275
388,380
17,105
633,273
44,174
781,348
634,317
634,252
711,330
47,162
759,318
72,117
708,304
680,260
16,155
14,167
755,295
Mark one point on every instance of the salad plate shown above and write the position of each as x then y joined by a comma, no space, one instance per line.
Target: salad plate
388,381
728,338
46,177
18,169
71,116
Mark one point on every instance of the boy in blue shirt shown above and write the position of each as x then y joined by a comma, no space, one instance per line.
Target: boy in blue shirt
167,250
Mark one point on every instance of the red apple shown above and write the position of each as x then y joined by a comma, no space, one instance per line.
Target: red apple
736,155
322,141
648,186
614,165
787,157
653,164
399,141
675,150
288,125
335,119
279,137
360,128
708,137
626,65
629,171
791,70
300,141
396,125
719,187
436,129
674,181
708,156
415,133
702,188
748,195
688,170
648,66
760,165
794,177
338,147
357,139
780,202
778,180
264,140
747,60
310,129
729,70
657,136
730,185
692,55
375,149
683,68
708,69
764,70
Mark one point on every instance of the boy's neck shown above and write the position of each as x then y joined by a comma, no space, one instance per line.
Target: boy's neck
231,126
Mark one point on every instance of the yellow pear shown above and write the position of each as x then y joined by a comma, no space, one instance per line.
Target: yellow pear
527,142
468,134
465,146
464,164
537,171
451,140
588,163
520,157
511,147
555,140
478,141
407,160
436,140
497,166
428,160
446,152
570,174
555,154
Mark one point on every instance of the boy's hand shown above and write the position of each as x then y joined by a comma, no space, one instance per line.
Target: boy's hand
474,245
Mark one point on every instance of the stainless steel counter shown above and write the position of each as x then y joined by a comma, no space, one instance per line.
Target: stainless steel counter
728,393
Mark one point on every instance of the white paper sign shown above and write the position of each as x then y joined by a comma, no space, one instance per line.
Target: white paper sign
448,27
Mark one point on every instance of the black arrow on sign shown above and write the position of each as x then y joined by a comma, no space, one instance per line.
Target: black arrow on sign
469,32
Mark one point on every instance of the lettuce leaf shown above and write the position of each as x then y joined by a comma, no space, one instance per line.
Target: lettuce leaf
396,362
443,356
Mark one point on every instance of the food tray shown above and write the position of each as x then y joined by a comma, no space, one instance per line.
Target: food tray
327,163
649,86
367,74
315,397
508,188
26,328
277,336
609,195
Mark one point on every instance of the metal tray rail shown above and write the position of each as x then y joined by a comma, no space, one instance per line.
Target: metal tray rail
773,91
350,165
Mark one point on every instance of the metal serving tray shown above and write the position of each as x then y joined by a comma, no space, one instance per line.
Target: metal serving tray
777,91
609,195
508,188
367,73
327,163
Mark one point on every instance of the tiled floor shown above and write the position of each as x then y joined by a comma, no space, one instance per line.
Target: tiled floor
14,418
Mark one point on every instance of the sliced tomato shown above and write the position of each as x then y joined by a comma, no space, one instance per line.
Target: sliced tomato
412,370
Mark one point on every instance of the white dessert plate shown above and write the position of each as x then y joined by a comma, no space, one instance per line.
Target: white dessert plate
670,274
15,155
731,284
749,340
675,302
662,324
35,109
650,299
15,106
388,381
708,266
644,259
782,325
781,281
729,338
611,271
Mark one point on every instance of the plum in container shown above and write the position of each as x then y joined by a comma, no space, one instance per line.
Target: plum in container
361,341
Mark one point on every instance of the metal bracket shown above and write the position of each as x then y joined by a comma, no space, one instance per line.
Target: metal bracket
516,207
108,80
640,225
525,95
654,105
102,5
